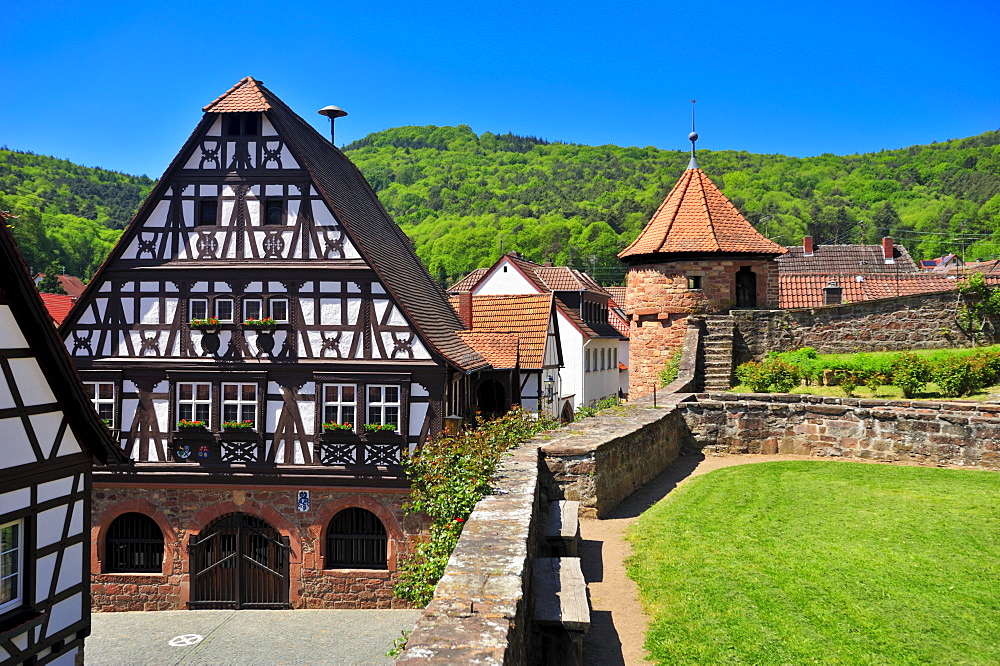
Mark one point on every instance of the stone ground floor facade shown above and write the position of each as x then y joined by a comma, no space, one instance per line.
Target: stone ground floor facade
185,515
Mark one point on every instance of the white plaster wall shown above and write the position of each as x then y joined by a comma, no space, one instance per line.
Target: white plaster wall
504,282
572,348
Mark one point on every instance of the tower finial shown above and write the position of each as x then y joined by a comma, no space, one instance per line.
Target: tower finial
693,136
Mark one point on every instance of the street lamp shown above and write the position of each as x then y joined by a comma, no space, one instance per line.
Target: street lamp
549,385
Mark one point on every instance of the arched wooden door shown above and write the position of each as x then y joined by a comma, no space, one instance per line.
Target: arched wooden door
239,561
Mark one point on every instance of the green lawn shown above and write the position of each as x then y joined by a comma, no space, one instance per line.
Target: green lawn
803,562
887,392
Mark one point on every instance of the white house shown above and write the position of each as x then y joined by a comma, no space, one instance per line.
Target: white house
49,439
591,346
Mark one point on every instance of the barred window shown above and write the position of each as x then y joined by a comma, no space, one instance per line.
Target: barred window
134,545
356,539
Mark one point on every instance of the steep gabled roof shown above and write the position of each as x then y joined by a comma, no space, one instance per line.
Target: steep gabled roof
246,95
469,282
828,259
502,350
697,218
57,305
544,278
526,316
18,292
376,236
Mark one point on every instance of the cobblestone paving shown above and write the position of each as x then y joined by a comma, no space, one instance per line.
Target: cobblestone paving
246,637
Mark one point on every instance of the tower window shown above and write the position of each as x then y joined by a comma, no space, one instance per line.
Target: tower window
242,124
694,282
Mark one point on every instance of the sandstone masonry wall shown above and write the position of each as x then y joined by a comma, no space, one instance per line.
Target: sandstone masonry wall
925,321
924,432
183,511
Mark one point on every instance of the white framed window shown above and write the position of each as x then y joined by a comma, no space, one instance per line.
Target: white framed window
224,309
194,402
340,403
253,308
279,309
11,565
383,404
239,402
198,308
102,394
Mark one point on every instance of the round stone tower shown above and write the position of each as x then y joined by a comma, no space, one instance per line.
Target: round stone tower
697,255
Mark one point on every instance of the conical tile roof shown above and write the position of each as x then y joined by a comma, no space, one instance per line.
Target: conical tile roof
698,218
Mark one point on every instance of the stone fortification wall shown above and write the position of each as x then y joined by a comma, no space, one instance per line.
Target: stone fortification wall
481,612
924,432
925,321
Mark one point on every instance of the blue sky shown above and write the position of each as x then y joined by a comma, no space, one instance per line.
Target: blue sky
121,85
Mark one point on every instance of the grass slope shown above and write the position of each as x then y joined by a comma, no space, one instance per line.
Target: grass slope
803,562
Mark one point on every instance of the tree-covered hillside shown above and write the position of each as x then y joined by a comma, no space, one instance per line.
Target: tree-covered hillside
66,214
465,198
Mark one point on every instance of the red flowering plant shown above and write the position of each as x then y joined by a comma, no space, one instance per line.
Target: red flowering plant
185,424
266,322
333,426
237,425
211,322
448,476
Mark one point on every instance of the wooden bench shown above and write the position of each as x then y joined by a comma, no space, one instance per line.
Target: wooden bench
561,609
562,531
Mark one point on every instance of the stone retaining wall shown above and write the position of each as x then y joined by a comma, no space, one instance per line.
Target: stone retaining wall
924,432
481,612
926,321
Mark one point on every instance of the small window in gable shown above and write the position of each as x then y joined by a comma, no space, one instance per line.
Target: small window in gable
198,308
208,213
242,124
253,308
274,212
279,310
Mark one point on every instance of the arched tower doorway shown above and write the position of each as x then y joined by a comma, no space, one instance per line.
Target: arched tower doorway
239,561
746,288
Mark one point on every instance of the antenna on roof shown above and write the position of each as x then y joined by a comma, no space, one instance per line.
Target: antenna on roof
693,136
332,112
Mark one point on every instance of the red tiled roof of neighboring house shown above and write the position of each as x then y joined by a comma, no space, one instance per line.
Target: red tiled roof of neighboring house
696,217
58,305
970,267
526,316
71,285
468,282
827,259
617,293
499,349
619,322
805,290
244,96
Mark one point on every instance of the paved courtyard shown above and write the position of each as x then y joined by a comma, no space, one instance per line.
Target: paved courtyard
246,637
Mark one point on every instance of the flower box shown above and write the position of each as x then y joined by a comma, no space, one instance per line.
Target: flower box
238,426
265,324
191,426
210,325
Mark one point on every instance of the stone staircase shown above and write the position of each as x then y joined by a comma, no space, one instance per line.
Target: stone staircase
718,351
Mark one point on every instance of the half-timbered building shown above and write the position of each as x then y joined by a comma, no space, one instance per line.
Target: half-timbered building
49,439
260,300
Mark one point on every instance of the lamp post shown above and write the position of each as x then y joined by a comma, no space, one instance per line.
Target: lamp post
332,112
549,385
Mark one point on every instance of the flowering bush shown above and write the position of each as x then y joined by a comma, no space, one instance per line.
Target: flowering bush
380,427
333,426
238,425
448,475
266,322
184,424
205,323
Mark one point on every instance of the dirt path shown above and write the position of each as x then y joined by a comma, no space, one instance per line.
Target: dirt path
618,624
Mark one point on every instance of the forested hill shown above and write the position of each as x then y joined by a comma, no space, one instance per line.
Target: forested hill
67,214
465,198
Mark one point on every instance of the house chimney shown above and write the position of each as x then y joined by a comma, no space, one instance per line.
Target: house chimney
887,250
465,308
807,246
548,263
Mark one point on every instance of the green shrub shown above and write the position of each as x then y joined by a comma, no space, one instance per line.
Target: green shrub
773,373
672,367
448,475
583,411
847,382
910,373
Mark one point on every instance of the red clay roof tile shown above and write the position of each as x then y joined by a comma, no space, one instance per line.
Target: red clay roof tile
697,218
805,290
244,96
495,318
